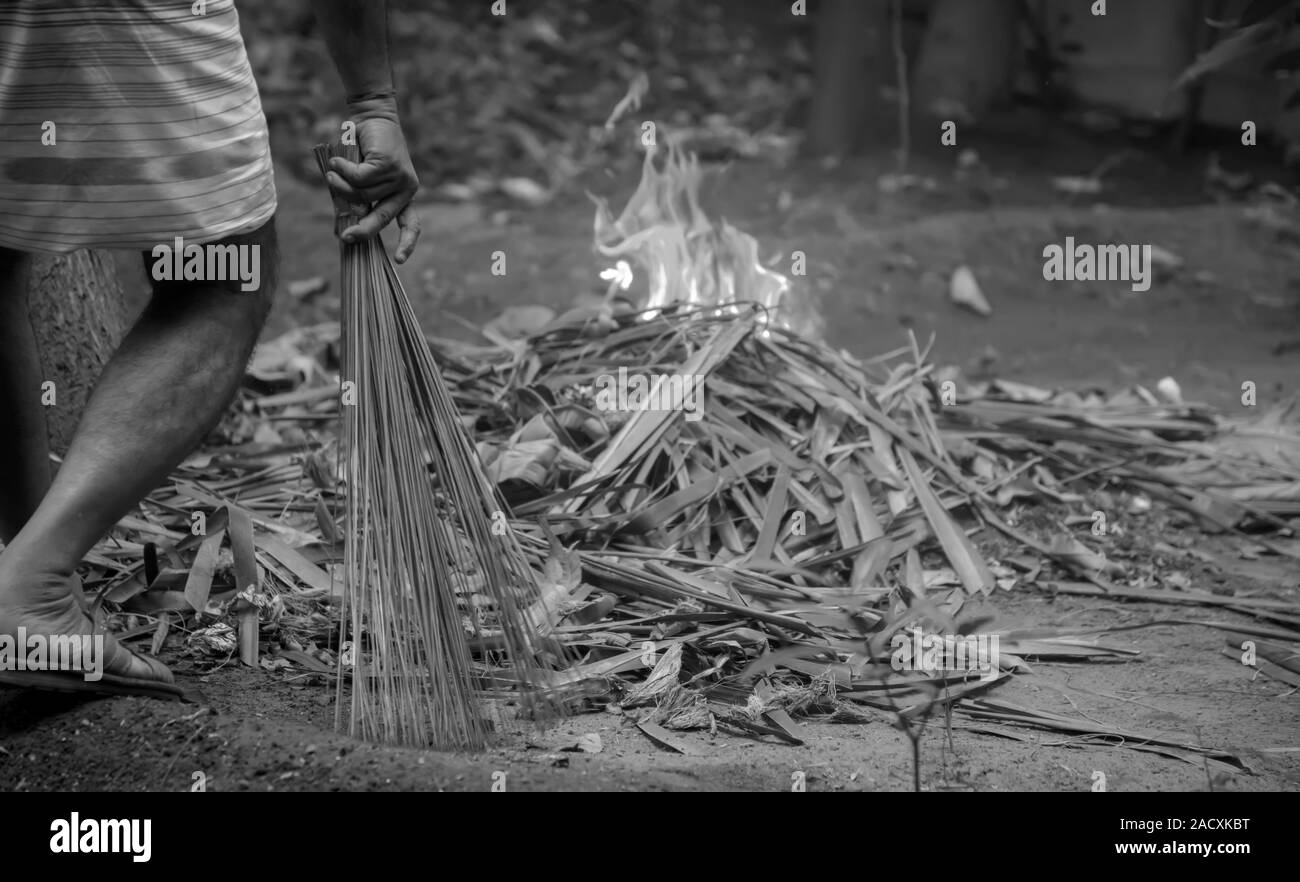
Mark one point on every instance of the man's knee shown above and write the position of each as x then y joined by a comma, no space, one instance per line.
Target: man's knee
245,267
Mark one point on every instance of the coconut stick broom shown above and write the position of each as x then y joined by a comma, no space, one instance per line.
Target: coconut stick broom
427,575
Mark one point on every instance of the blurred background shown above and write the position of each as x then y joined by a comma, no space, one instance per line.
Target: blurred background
820,134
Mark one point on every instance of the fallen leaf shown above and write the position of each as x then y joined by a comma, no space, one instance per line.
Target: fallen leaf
964,291
1079,557
525,190
516,322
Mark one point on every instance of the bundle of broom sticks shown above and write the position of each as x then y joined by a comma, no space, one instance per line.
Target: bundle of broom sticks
427,576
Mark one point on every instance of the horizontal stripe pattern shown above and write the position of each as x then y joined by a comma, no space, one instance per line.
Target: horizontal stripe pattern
158,128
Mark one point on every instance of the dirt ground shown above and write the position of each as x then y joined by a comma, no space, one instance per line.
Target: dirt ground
877,267
257,731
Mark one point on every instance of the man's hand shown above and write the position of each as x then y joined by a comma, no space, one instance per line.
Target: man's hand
384,179
356,32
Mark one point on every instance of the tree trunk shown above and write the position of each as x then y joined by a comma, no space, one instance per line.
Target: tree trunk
968,58
853,63
79,315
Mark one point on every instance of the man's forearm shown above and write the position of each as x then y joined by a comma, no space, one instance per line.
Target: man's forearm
356,32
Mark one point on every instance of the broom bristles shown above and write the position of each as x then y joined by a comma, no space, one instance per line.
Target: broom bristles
424,569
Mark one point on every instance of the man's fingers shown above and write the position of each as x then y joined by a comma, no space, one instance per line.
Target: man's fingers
374,172
379,217
364,195
409,223
383,180
344,189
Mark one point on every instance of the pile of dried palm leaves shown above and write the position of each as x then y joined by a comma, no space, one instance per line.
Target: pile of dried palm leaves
758,560
745,557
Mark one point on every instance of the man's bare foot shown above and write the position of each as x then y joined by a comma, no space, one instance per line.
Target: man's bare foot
46,606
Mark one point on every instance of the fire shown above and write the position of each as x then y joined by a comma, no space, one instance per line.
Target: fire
686,257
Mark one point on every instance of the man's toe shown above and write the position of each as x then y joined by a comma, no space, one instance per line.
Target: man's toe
125,663
155,670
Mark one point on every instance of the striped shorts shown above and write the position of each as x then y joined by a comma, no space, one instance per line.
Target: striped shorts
127,123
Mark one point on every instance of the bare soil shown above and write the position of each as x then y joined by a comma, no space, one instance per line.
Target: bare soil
259,732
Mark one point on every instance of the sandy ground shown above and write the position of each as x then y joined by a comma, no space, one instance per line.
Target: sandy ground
877,266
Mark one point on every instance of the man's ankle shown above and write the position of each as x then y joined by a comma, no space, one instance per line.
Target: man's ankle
18,566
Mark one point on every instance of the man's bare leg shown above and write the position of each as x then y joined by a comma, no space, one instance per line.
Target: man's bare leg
24,445
164,389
